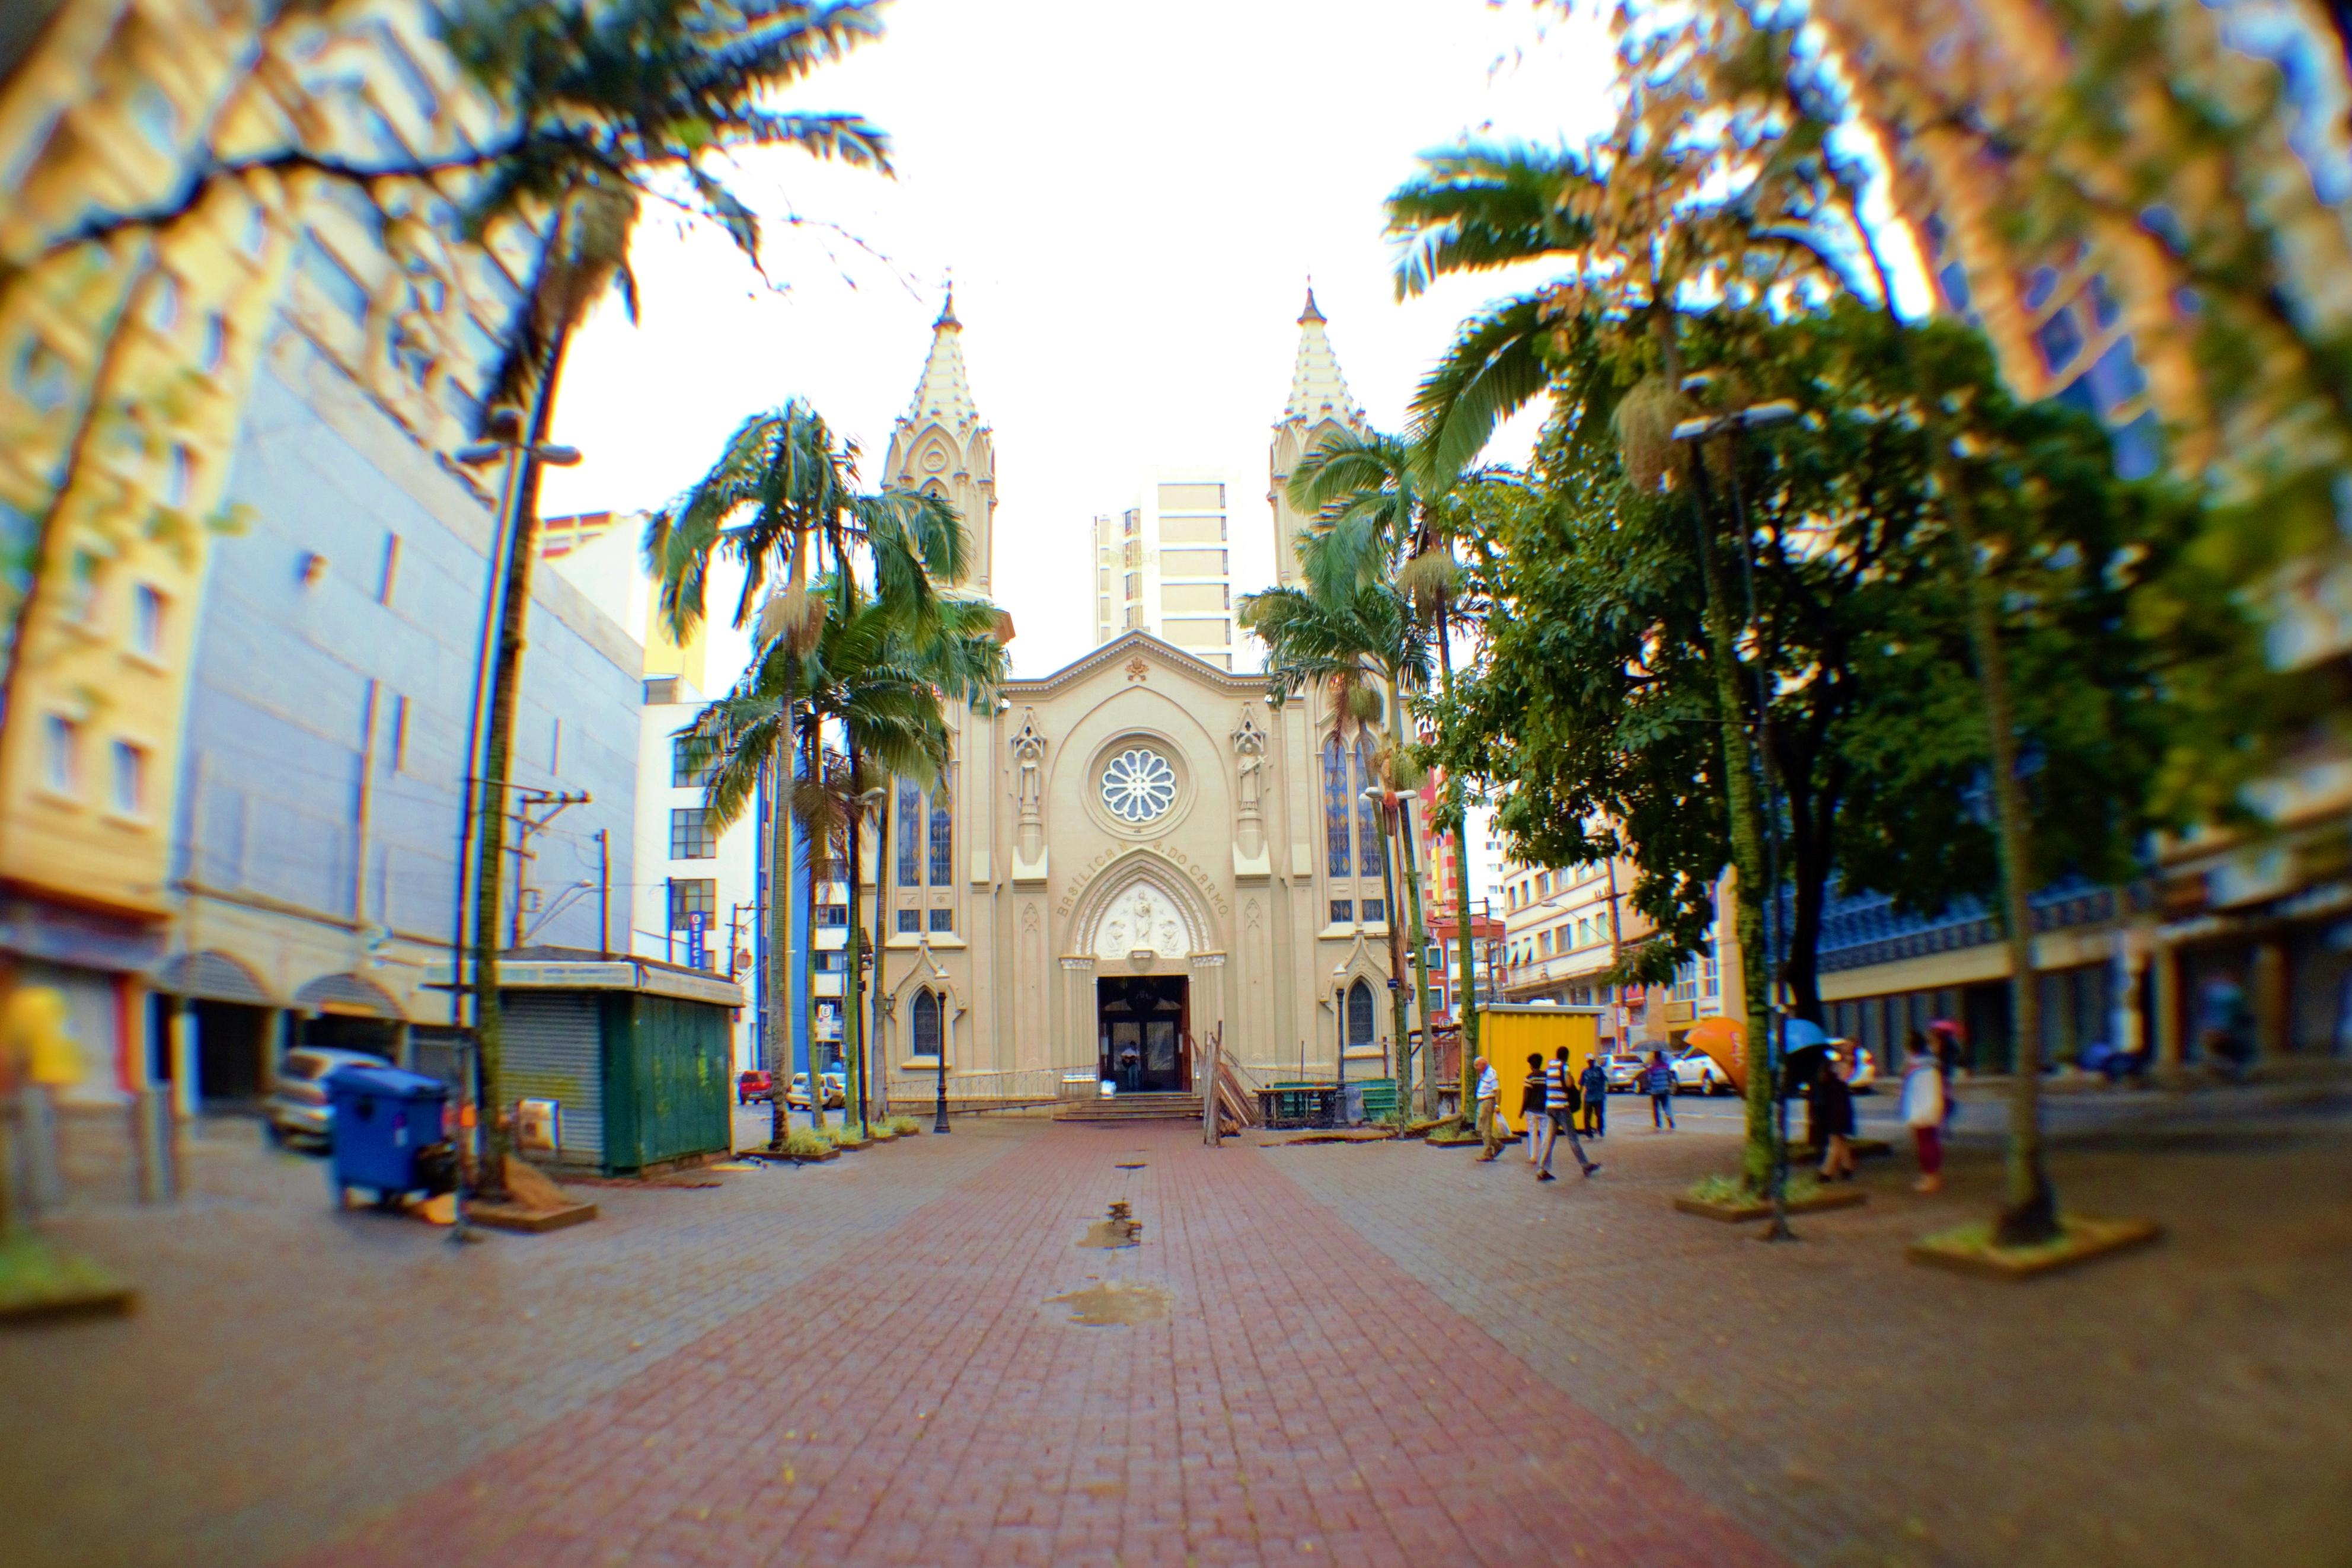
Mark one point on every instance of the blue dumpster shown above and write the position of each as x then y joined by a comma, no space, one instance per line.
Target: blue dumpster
383,1119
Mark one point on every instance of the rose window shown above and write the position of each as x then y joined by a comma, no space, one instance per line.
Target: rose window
1138,785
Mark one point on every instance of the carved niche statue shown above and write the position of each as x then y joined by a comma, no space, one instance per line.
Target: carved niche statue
1029,785
1249,786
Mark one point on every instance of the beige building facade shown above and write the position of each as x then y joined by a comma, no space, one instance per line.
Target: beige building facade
1131,855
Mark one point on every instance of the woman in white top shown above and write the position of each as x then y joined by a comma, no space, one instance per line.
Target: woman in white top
1923,1110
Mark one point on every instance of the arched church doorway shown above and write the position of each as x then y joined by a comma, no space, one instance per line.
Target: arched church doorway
1142,1026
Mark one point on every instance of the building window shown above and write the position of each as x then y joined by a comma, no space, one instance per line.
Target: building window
1376,911
82,588
2060,338
924,1025
1359,1016
942,837
212,352
829,960
60,753
832,915
911,922
147,622
910,835
1343,911
690,838
943,920
130,779
683,773
661,691
690,896
1337,861
1368,815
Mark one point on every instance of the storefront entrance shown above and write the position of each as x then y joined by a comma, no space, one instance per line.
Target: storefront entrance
1141,1024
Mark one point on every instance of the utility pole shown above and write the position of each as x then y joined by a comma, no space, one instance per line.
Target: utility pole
525,800
603,892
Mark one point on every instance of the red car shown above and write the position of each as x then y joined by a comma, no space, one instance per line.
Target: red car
756,1084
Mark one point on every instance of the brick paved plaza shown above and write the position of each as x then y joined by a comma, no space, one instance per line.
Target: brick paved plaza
1380,1354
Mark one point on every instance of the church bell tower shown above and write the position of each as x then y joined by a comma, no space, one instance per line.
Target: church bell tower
941,446
1319,407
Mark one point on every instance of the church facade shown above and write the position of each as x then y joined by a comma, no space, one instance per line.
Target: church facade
1136,851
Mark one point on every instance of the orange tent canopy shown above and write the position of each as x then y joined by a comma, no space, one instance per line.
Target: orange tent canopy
1726,1042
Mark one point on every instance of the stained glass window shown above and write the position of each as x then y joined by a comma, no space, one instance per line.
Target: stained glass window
926,1024
942,837
1360,1015
1368,816
1335,808
910,834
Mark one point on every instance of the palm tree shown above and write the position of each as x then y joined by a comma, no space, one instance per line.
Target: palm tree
1354,644
785,489
1377,517
611,103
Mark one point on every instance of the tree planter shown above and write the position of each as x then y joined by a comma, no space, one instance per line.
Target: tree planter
847,1143
38,1283
1837,1197
1968,1248
530,1221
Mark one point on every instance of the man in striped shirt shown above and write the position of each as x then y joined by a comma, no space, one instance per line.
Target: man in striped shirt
1561,1101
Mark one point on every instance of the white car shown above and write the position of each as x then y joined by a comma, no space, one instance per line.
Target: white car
1695,1073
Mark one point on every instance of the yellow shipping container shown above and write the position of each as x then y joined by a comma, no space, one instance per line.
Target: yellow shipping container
1510,1033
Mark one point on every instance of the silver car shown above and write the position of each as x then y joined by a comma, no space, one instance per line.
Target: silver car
297,1107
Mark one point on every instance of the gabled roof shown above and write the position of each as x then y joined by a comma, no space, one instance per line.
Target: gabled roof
943,394
1318,391
1127,647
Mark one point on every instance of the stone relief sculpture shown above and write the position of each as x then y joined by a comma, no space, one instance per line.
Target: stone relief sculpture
1249,788
1143,921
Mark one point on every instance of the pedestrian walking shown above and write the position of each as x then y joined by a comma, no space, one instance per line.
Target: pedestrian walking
1659,1080
1923,1111
1532,1097
1833,1118
1595,1087
1491,1129
1946,1039
1562,1099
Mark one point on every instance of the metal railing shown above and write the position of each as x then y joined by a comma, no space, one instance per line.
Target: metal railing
1016,1086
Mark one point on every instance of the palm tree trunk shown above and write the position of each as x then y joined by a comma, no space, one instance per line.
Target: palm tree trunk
1396,946
778,932
853,987
1417,933
2029,1211
1466,1007
490,818
881,928
1759,1156
816,853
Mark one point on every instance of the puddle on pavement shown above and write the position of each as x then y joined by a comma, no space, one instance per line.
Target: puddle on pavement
1121,1229
1113,1304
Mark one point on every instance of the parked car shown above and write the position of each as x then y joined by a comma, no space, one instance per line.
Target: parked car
1624,1070
797,1096
836,1088
757,1084
1695,1073
297,1109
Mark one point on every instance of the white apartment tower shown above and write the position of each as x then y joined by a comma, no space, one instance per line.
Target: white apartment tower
1162,566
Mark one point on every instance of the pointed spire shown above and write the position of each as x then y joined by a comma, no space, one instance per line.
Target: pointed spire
1318,391
944,392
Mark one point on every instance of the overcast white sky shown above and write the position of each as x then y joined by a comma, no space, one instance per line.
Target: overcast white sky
1131,200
